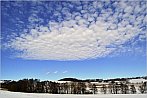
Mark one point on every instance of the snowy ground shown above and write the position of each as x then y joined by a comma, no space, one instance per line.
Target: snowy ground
7,94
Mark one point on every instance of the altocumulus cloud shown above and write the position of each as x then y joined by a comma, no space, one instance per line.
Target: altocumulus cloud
80,30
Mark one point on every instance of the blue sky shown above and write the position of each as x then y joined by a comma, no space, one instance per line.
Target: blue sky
53,40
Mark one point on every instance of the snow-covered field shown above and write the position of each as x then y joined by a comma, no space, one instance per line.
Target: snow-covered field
7,94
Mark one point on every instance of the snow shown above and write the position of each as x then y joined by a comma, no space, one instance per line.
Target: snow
7,94
1,81
137,80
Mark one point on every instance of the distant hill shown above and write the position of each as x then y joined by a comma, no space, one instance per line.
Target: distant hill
100,80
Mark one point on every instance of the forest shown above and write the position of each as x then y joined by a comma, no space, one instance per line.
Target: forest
75,86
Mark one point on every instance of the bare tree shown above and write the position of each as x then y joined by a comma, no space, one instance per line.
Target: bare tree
65,88
104,89
73,87
94,88
110,88
132,89
143,87
115,88
83,87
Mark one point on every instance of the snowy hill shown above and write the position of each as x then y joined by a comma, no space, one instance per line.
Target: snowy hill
137,80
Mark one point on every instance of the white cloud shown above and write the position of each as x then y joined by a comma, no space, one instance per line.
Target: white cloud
55,72
64,72
48,73
78,38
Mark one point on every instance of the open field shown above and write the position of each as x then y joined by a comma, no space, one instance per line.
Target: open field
7,94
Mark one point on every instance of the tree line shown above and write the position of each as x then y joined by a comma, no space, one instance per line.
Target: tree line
73,87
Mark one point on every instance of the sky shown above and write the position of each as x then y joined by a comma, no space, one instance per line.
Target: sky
50,40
